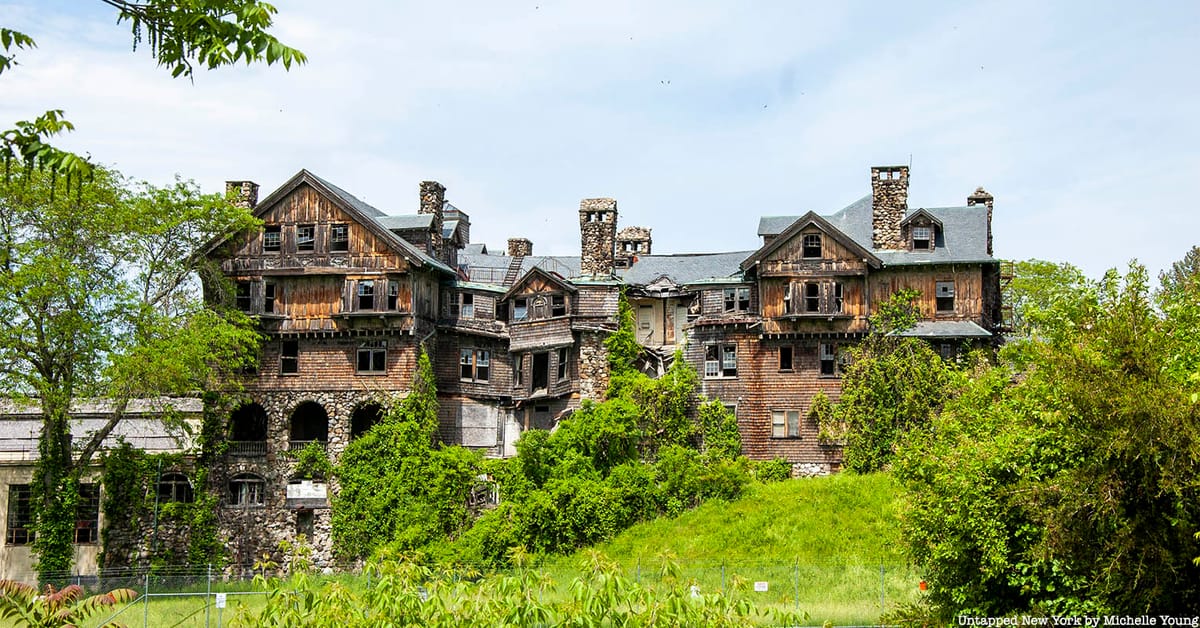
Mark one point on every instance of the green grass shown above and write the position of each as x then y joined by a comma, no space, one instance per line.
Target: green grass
819,543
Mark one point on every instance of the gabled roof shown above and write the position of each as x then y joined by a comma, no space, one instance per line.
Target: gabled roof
921,212
944,329
964,230
361,212
684,268
552,277
810,219
406,222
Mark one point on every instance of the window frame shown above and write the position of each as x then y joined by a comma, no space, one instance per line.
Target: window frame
717,359
364,296
272,239
375,354
393,295
808,250
289,354
785,423
339,238
243,295
944,296
787,365
474,365
812,298
564,361
558,305
466,305
175,487
87,515
306,238
247,490
927,233
520,309
19,522
827,359
270,296
737,299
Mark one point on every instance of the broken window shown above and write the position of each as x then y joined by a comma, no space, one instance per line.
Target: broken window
785,358
787,299
304,524
474,364
519,369
393,295
268,298
785,423
520,309
828,359
272,239
812,245
306,237
947,351
945,296
242,296
372,357
564,357
87,514
339,237
19,530
558,305
247,490
812,297
175,487
838,301
737,299
467,307
366,295
289,357
720,361
922,237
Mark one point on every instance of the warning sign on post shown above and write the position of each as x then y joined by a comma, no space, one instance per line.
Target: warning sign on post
220,600
760,587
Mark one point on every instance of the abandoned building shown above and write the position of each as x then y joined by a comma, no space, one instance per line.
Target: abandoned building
346,294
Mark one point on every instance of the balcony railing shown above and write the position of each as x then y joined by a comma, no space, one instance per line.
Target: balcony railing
297,445
248,448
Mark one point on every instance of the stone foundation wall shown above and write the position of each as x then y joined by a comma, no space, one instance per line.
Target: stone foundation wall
593,365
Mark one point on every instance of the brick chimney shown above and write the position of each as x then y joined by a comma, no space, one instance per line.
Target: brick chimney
520,247
981,197
598,236
889,202
245,193
433,196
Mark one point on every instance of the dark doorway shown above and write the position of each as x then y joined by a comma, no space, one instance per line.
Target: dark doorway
541,371
248,431
309,423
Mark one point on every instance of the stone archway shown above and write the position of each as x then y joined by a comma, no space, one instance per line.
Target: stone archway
309,423
248,430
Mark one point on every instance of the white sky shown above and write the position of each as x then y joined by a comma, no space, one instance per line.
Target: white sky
698,117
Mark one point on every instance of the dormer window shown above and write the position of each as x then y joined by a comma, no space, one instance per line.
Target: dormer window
812,245
922,238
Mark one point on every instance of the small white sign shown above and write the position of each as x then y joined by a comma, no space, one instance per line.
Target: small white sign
220,600
760,587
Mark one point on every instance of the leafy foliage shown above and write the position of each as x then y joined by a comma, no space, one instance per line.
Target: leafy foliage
98,299
24,605
892,385
1062,480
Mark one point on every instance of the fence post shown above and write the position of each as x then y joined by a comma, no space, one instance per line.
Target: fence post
208,597
146,598
882,598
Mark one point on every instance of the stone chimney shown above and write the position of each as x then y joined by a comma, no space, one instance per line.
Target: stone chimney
245,193
520,247
433,196
598,235
633,241
889,202
981,197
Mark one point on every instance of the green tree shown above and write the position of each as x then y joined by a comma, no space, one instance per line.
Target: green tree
98,299
1040,294
1063,480
181,36
892,385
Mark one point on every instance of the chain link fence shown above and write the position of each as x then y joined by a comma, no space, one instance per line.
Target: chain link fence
203,596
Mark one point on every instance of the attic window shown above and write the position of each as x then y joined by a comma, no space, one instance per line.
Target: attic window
812,245
520,309
922,238
306,237
339,238
271,239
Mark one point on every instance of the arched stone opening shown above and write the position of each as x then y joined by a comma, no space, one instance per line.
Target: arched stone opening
310,423
365,417
248,431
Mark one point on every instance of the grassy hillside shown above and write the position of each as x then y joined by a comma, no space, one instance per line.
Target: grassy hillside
819,544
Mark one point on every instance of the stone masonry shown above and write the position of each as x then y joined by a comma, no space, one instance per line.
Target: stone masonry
246,193
634,241
598,233
889,200
433,196
981,197
520,247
